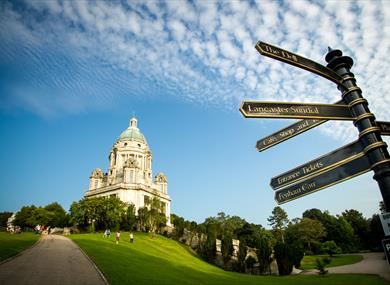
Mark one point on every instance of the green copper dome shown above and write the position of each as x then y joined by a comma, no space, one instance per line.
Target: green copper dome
132,133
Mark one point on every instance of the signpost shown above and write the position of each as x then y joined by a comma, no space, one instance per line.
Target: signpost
368,153
259,109
320,165
346,171
289,132
298,61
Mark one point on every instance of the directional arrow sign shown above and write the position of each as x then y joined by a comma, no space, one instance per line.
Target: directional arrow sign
259,109
336,175
289,132
298,61
324,163
385,128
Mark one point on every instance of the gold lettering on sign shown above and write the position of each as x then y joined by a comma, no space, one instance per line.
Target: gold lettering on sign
295,192
269,140
312,167
281,53
305,110
385,127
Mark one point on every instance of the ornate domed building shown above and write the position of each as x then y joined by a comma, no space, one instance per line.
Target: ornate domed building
129,175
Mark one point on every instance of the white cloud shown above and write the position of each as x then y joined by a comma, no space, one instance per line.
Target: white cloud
197,48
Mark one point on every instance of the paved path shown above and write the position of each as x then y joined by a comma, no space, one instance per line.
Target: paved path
53,260
372,263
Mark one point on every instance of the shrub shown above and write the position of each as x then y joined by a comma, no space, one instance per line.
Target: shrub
320,265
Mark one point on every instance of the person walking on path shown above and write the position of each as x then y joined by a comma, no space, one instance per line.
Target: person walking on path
117,236
131,237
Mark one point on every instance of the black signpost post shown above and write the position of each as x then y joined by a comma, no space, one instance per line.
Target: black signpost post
369,152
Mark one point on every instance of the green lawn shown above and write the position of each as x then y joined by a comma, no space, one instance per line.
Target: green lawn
163,261
309,261
11,245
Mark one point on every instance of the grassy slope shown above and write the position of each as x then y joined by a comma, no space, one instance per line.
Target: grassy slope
11,245
164,261
309,261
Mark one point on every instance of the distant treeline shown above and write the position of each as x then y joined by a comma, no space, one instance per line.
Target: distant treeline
286,242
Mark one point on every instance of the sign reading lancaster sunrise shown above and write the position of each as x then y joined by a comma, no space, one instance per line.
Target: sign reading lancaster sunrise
260,109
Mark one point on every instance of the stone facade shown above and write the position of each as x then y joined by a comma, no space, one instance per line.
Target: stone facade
129,175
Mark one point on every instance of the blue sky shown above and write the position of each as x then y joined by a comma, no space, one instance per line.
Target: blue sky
73,73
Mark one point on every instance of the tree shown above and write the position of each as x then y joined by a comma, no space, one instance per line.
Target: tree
178,223
40,216
376,233
227,247
58,217
278,221
157,219
284,257
22,216
337,229
143,218
330,247
129,219
4,216
360,225
100,213
210,246
265,244
307,231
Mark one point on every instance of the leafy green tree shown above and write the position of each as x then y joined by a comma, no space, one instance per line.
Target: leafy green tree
242,251
337,228
360,225
129,219
178,223
4,216
330,247
40,216
22,216
347,239
227,247
157,219
278,221
376,233
306,231
210,246
58,217
284,257
99,213
265,244
143,218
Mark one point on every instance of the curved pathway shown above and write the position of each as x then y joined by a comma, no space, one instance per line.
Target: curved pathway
53,260
372,263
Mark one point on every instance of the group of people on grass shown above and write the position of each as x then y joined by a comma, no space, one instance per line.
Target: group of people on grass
107,234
